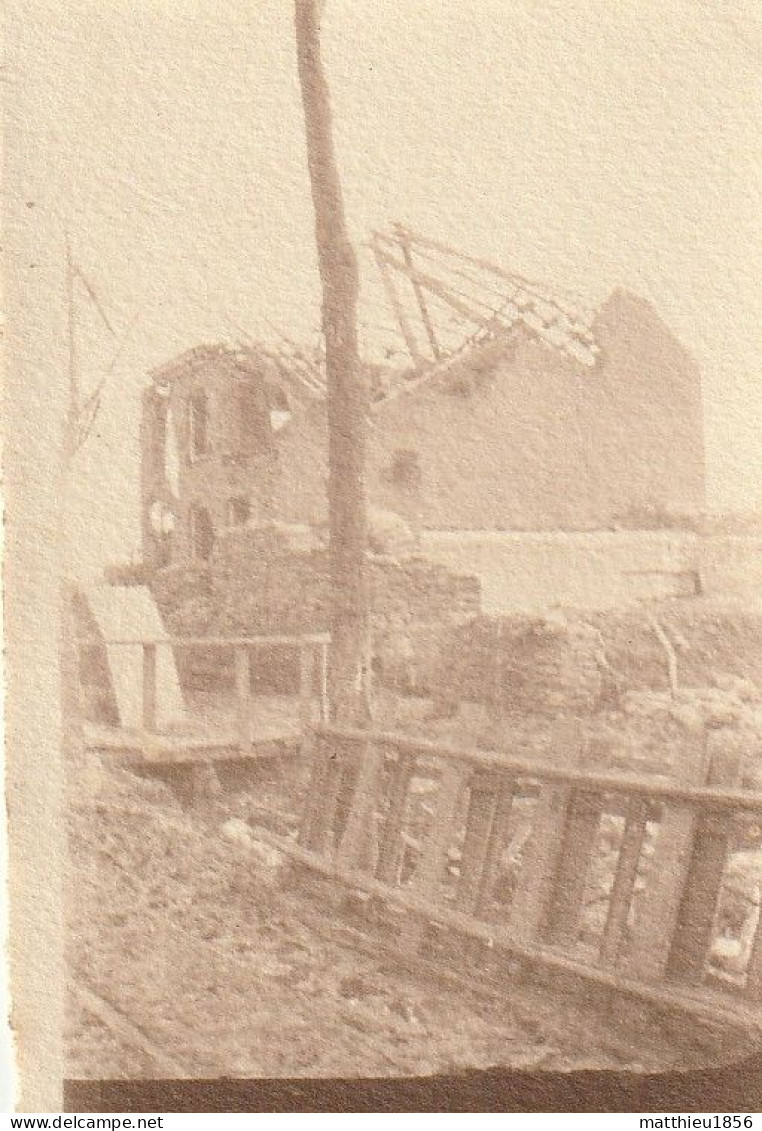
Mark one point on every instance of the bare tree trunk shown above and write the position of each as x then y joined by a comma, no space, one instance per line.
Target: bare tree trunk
347,388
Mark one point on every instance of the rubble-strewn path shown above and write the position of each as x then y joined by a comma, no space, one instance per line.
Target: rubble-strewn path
184,947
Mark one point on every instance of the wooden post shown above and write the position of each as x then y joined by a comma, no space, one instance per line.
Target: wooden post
536,882
306,674
243,696
622,890
149,688
482,806
698,910
658,910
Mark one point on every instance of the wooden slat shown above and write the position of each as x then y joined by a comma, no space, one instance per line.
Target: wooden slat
482,807
498,837
623,887
582,824
658,909
358,847
243,696
149,687
322,830
391,846
536,883
431,866
698,909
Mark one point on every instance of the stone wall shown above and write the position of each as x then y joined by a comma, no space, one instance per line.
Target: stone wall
265,581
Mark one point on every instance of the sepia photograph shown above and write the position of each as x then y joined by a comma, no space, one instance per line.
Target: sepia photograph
383,579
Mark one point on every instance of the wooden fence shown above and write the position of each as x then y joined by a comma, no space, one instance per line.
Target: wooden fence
426,827
312,650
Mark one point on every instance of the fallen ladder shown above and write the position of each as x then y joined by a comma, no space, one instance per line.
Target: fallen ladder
369,790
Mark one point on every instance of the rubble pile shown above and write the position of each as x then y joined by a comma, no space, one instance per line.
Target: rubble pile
524,665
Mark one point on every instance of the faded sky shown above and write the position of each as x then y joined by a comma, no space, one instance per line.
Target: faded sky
585,143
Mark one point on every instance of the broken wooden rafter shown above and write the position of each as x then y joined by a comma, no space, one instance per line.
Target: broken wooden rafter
484,295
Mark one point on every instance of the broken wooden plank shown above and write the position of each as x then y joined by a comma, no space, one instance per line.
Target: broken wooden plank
405,244
397,307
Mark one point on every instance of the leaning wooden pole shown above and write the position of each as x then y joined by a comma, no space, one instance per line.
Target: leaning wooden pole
347,389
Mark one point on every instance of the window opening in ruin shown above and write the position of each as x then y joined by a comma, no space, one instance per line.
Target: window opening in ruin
162,523
280,409
405,471
201,534
239,511
198,422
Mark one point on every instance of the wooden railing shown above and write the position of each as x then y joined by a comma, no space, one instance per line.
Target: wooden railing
313,672
362,826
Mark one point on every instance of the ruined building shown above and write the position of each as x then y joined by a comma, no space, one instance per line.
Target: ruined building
541,420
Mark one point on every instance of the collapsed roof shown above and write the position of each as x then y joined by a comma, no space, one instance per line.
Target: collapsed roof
445,303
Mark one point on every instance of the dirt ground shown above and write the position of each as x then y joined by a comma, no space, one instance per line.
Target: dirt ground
189,933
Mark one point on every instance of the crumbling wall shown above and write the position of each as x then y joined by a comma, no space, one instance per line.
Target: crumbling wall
275,581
